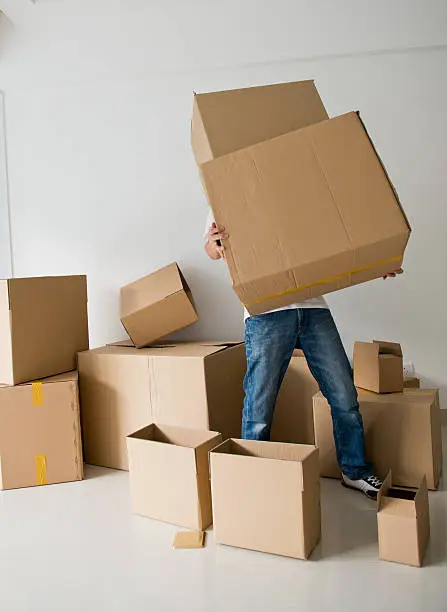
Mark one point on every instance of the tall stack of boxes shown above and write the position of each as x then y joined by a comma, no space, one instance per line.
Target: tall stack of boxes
43,325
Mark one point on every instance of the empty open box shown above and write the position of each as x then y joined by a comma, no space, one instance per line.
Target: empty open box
43,325
403,520
169,474
378,366
157,305
266,496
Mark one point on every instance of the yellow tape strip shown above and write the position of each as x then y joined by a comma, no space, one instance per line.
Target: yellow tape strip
41,470
326,280
37,393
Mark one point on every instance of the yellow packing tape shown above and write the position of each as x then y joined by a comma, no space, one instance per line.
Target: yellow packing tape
37,392
41,470
325,280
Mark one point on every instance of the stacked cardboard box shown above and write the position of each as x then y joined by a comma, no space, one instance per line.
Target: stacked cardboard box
43,324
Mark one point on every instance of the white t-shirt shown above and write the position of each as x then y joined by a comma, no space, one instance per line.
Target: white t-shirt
316,302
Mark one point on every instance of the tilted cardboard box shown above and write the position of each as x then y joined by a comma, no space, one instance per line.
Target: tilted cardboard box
378,366
402,434
157,305
184,385
306,201
293,419
403,520
43,325
266,496
40,433
169,474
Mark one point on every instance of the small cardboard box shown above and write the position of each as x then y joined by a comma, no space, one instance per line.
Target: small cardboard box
412,382
157,305
293,418
402,434
403,520
43,325
198,385
266,496
378,366
306,201
40,433
169,474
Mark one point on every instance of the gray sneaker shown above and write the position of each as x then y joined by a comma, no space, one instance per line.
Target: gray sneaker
369,486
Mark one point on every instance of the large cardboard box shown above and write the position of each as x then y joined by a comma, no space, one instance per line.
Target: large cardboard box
293,420
43,324
306,201
157,305
266,496
402,434
40,433
185,385
403,520
169,474
378,366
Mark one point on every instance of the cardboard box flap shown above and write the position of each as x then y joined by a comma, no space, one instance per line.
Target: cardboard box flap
151,289
421,497
180,349
388,348
226,121
384,489
178,436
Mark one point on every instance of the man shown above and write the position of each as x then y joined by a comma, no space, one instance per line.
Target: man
270,340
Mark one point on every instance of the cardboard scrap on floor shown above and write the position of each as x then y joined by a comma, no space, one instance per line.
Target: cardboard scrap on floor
189,539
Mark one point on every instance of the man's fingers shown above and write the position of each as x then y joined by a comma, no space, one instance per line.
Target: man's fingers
218,236
221,251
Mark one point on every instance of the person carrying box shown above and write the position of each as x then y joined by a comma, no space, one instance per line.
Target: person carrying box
270,339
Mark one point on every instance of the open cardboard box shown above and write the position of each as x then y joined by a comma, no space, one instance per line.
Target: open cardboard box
169,474
266,496
403,520
378,366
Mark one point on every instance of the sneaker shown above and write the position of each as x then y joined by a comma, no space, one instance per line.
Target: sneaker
370,485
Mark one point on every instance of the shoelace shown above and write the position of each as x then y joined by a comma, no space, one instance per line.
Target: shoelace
374,481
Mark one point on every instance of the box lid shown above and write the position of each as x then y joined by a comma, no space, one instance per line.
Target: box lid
181,349
226,121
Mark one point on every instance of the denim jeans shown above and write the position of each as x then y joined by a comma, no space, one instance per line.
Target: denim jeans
270,341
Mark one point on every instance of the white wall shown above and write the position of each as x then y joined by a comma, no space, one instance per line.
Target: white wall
102,179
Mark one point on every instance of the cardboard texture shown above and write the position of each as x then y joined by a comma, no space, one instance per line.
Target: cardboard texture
293,419
157,305
306,201
411,382
40,433
378,366
186,385
266,496
43,324
402,434
169,474
189,539
403,520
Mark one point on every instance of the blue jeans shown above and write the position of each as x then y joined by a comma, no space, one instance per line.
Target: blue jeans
270,341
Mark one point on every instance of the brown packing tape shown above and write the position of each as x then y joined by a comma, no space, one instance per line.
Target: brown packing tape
41,470
325,280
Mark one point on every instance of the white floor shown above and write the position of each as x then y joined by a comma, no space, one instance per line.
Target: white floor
76,547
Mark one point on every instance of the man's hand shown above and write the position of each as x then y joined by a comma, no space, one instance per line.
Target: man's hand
393,274
213,245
